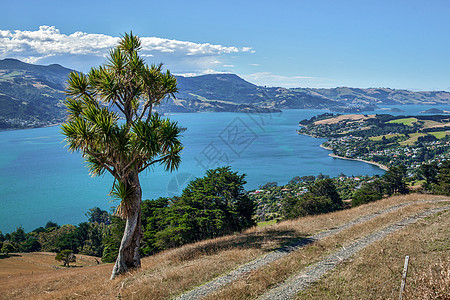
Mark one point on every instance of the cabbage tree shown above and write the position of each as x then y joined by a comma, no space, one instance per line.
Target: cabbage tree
112,122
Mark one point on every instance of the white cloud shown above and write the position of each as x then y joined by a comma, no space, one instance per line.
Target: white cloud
228,66
269,79
204,72
82,50
248,49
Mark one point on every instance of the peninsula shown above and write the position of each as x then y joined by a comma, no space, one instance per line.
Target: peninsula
383,140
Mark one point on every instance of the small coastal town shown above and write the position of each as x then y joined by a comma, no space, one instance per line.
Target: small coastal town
384,140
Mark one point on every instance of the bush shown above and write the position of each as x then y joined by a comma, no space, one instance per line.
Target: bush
66,256
321,198
8,248
308,205
211,206
365,195
442,185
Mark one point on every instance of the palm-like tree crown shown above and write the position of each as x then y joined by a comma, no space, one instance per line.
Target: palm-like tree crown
124,88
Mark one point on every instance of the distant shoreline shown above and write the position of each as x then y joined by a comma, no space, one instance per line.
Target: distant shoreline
325,147
26,128
381,166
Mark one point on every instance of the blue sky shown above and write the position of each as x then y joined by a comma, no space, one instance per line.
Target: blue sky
321,43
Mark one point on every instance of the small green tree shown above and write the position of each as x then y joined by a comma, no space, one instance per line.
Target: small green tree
112,122
66,256
97,215
209,207
322,197
442,185
429,172
395,180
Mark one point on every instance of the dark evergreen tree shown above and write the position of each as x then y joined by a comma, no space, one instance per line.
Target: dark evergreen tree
210,206
112,238
98,215
369,192
442,185
322,197
51,224
429,172
154,219
395,180
18,236
326,188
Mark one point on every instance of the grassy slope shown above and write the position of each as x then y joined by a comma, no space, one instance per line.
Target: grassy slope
171,272
440,134
387,136
405,121
413,139
37,263
376,273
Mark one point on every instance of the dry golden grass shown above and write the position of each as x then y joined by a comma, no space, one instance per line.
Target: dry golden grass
377,271
434,124
347,118
261,280
171,272
36,263
431,283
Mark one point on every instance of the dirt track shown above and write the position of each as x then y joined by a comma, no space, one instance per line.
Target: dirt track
219,282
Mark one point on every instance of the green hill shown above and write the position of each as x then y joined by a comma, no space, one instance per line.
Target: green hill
31,95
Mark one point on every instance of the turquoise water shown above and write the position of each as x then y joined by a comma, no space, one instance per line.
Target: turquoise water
41,181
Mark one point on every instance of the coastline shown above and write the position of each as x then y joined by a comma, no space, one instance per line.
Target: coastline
26,128
326,148
381,166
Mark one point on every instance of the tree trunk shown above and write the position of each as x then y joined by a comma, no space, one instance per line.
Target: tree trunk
128,257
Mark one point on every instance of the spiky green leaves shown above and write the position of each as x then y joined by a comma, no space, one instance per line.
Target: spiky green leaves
130,43
158,84
158,137
125,88
77,84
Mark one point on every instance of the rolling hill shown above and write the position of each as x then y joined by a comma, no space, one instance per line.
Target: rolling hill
363,240
32,96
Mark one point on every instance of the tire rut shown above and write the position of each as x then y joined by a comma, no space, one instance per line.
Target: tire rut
217,283
313,273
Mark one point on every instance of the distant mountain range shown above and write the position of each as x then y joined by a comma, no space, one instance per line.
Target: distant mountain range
32,95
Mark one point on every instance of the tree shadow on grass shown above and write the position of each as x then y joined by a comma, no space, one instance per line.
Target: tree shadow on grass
268,240
4,255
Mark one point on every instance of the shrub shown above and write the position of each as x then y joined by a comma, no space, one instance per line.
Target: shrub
321,198
365,195
66,256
